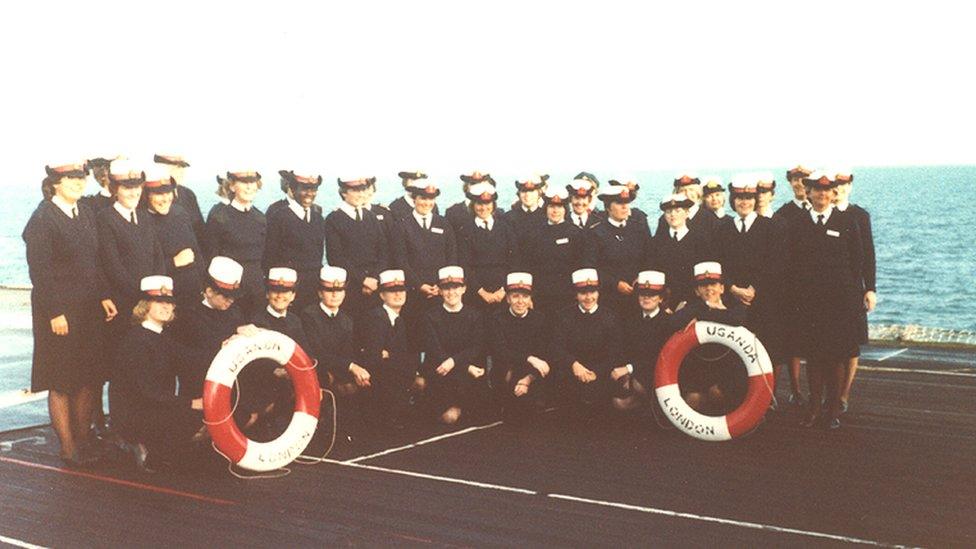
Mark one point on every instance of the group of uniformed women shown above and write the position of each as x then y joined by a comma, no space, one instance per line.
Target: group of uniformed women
407,310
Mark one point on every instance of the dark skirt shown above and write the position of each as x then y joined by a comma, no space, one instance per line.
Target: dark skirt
829,326
68,363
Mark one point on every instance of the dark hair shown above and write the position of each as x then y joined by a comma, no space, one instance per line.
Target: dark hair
47,186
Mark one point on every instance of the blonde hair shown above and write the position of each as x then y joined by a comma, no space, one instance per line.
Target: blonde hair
141,311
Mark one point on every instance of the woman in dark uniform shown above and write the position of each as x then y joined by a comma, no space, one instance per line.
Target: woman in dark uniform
147,412
355,241
454,347
713,195
528,213
239,231
185,198
554,253
458,214
429,244
487,249
174,230
826,261
790,214
582,192
749,248
868,280
677,248
296,235
646,331
70,304
711,384
620,245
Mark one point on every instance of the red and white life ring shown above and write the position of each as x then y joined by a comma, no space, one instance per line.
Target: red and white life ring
218,415
737,422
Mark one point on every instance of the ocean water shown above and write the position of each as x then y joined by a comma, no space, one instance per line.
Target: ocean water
923,224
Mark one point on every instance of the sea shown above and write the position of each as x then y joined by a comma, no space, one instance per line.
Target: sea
924,228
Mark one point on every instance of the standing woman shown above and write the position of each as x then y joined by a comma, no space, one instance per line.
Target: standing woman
554,253
69,305
713,195
296,235
174,230
766,187
185,198
867,283
487,249
826,260
620,245
238,231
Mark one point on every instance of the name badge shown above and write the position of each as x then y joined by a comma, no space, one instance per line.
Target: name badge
833,233
437,230
562,241
379,216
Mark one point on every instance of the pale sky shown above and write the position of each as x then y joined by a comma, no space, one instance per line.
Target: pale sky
372,87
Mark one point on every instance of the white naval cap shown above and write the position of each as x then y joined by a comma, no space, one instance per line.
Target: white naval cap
225,273
843,175
743,183
392,280
158,179
332,277
580,187
452,274
617,193
586,278
765,181
535,181
156,286
821,178
556,195
67,167
676,200
424,187
712,184
482,192
650,281
686,178
708,271
125,172
281,278
518,281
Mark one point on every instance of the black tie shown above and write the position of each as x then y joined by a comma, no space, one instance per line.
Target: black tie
306,215
132,218
359,216
425,222
742,226
674,236
74,212
484,225
820,219
580,218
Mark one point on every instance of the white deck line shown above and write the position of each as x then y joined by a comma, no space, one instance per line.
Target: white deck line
628,507
19,543
892,354
913,371
422,442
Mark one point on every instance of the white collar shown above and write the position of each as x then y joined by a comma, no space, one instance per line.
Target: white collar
802,204
349,209
768,213
458,310
239,206
393,315
223,200
750,219
328,312
842,206
681,232
591,311
408,199
68,209
295,207
126,213
551,224
420,218
368,206
103,191
481,222
152,326
532,209
645,314
207,304
615,223
275,313
518,316
693,211
577,217
719,213
826,213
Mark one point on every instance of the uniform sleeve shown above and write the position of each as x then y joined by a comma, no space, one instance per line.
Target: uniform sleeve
432,345
855,251
373,342
115,269
473,351
273,241
38,236
870,266
213,232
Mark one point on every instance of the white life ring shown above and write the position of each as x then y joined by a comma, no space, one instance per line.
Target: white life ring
218,415
737,422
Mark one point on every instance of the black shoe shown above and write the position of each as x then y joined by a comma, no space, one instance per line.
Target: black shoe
833,424
79,460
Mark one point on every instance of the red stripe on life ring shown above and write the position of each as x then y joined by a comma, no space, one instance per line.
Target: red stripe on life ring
745,418
220,421
673,353
305,381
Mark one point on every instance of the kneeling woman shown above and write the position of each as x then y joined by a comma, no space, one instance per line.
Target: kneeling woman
454,364
710,384
149,415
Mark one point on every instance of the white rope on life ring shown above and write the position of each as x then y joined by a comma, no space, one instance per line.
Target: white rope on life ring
758,366
219,416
